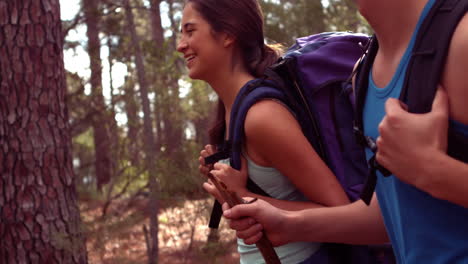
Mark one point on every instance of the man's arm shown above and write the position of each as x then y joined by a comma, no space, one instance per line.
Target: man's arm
448,177
354,223
413,147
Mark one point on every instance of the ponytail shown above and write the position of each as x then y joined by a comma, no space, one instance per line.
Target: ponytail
217,131
268,55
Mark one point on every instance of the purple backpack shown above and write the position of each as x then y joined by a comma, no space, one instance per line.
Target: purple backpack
313,79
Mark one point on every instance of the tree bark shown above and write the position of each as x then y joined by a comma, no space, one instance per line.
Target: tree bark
133,122
39,216
172,117
150,144
103,165
156,25
158,39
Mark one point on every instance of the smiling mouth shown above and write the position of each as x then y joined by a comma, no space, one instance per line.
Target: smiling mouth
190,58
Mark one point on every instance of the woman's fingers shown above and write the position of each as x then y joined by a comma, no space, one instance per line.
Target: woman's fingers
203,169
221,166
210,149
211,189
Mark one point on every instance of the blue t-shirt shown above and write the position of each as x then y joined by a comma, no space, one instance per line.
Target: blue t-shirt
422,229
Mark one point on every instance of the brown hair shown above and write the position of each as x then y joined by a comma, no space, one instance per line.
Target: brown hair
242,19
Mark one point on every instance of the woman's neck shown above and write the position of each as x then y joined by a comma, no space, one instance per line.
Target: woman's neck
228,85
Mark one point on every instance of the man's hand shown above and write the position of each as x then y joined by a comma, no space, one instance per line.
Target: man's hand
251,220
407,141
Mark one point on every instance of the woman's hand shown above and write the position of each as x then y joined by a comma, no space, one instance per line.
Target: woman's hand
233,179
207,151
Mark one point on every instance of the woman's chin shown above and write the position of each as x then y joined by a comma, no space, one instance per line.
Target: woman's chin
194,75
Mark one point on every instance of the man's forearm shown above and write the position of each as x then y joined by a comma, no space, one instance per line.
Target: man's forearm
355,223
445,178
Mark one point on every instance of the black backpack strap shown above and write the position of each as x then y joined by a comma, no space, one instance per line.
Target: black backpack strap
361,87
427,63
429,54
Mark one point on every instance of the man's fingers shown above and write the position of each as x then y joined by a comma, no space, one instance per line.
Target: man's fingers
440,103
253,239
242,223
241,210
243,163
393,105
249,233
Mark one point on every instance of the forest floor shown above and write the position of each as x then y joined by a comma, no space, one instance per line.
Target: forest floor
119,237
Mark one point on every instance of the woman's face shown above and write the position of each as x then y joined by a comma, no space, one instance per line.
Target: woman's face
203,52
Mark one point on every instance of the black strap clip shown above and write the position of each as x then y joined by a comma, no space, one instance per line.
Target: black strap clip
224,152
371,182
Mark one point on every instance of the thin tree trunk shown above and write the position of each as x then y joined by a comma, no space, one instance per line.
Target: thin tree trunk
39,216
156,26
158,39
172,123
150,144
111,79
100,123
133,121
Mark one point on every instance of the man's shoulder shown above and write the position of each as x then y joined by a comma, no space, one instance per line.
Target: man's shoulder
454,78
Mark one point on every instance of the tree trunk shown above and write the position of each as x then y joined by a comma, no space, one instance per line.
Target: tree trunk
173,129
39,216
103,165
158,39
150,144
133,121
156,26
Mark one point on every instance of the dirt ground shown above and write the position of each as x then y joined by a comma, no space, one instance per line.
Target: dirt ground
119,237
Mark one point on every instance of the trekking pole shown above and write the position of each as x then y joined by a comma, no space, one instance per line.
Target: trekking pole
232,199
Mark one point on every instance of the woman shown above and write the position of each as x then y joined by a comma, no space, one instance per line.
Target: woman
223,44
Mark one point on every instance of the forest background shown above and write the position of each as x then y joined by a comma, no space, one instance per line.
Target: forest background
126,186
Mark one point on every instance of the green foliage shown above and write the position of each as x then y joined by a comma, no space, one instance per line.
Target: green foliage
286,20
343,15
83,156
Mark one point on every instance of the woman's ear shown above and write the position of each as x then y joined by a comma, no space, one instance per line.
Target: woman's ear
228,40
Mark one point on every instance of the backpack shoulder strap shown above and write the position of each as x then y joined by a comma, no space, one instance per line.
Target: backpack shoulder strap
429,54
361,85
427,63
251,93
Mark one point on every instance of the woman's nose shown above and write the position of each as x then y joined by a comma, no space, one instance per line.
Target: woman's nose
181,45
